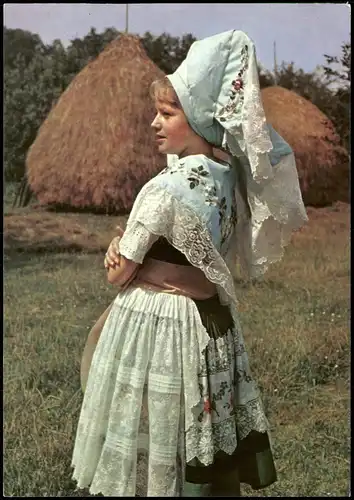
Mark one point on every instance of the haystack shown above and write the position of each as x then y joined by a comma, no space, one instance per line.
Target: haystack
96,148
322,163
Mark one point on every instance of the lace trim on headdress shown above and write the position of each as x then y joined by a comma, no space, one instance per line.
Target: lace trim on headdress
273,193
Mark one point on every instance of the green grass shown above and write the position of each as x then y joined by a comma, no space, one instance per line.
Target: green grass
296,325
10,190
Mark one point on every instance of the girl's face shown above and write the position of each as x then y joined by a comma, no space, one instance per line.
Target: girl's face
173,133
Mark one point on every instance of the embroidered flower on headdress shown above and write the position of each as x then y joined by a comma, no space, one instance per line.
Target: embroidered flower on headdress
237,84
234,104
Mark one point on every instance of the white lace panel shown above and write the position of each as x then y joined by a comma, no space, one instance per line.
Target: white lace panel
277,210
190,404
158,213
256,133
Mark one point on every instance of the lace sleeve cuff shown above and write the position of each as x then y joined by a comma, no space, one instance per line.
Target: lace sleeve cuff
136,242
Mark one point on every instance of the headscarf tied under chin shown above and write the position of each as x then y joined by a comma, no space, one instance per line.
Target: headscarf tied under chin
218,87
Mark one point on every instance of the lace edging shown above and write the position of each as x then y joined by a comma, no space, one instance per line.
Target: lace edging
185,231
248,418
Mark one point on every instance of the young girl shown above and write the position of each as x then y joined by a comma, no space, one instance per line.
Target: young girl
170,372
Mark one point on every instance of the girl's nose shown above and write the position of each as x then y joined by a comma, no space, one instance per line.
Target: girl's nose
155,123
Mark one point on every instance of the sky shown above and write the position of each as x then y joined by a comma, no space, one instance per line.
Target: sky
302,32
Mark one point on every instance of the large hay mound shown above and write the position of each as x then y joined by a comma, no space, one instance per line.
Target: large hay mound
322,163
96,149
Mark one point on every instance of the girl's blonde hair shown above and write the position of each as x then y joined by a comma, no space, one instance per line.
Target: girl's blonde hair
162,90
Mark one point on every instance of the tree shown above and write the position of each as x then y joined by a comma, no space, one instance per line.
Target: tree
266,78
341,75
339,108
17,41
167,51
30,91
35,76
81,51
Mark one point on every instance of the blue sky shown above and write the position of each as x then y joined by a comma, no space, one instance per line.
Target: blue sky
303,32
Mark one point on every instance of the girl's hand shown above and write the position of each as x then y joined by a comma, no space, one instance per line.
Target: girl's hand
112,257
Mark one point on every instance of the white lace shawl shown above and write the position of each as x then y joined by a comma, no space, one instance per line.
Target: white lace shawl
156,212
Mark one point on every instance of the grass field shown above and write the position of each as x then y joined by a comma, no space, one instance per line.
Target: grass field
296,325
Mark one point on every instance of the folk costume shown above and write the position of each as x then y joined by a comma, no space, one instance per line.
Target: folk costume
170,374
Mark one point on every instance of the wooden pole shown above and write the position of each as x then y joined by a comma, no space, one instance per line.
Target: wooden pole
126,17
275,64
